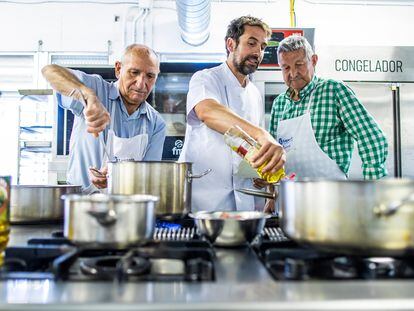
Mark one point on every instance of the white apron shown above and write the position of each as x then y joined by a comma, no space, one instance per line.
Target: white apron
133,148
304,157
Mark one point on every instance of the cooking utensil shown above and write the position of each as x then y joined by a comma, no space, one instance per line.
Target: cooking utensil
259,193
109,219
350,216
169,180
34,203
96,172
230,228
100,135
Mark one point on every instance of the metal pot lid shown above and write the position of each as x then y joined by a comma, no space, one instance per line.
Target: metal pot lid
101,198
45,186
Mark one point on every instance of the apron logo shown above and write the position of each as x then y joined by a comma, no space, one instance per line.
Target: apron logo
286,142
178,145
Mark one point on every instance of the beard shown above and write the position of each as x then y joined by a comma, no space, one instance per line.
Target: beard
243,67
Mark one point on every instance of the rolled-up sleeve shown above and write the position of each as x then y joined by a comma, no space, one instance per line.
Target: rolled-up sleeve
94,82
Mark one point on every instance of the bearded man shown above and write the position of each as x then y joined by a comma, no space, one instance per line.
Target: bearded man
218,99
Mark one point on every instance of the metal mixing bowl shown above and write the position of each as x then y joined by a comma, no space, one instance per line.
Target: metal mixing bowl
230,228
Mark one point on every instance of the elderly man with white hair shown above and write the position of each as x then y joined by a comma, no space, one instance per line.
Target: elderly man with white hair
318,120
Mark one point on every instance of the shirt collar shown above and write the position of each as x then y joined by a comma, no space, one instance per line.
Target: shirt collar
306,90
231,78
115,95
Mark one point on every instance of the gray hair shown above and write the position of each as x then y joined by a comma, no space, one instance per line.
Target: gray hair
141,49
295,43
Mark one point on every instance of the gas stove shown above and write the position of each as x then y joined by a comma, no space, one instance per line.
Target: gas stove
286,260
176,253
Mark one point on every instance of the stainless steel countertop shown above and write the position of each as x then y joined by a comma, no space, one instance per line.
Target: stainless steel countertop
242,284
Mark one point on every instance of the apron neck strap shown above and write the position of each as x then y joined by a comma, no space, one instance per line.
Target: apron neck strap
312,93
111,126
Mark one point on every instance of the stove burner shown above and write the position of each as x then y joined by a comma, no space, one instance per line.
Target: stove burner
381,267
289,261
109,266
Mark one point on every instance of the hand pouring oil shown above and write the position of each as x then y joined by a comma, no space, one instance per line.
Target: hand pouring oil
245,146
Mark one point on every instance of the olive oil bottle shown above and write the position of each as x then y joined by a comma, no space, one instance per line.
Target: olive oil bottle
245,146
4,214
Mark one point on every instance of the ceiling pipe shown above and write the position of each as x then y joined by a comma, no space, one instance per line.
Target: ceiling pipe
141,17
144,27
194,20
132,16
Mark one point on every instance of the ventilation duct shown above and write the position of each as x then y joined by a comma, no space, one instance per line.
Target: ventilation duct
194,20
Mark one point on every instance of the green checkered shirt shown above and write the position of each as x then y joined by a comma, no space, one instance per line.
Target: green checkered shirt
338,119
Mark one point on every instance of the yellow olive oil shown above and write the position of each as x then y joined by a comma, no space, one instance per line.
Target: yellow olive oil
4,214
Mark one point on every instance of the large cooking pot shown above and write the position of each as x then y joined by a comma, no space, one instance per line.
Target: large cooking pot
168,180
109,219
375,217
33,203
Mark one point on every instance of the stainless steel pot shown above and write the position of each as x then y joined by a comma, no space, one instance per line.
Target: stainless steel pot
230,228
170,181
109,219
375,217
32,203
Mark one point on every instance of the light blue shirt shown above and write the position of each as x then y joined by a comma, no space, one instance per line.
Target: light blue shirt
85,150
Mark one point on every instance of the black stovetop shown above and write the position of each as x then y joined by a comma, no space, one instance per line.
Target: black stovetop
286,260
153,261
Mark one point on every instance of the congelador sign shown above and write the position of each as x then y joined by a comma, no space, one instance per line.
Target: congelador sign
366,63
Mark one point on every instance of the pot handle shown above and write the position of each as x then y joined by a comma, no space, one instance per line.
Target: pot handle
258,193
391,208
106,218
190,176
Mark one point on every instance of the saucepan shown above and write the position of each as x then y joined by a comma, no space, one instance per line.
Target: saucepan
357,217
170,181
230,228
34,203
103,219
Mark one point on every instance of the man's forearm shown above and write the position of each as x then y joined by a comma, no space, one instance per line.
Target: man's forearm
220,118
63,81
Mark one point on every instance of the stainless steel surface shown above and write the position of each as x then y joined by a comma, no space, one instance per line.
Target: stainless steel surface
407,129
109,219
28,92
167,266
38,203
342,215
366,63
242,284
230,228
377,99
170,181
392,207
258,193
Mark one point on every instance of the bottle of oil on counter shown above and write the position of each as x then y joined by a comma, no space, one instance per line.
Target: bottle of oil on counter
242,143
4,214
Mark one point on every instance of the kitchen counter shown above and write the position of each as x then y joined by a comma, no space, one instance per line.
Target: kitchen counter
242,283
